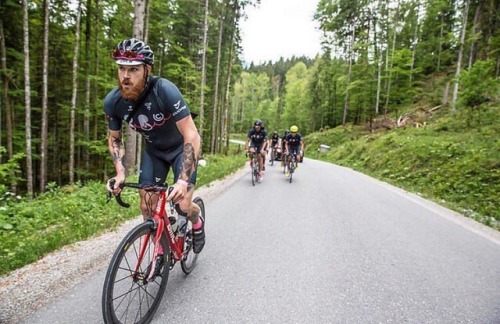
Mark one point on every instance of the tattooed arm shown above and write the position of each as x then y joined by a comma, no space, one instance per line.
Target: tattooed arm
117,151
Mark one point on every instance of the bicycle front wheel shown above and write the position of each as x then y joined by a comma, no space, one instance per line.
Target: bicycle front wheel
189,260
128,296
254,173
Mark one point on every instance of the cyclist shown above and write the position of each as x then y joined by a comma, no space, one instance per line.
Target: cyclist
274,142
294,146
257,142
283,146
165,122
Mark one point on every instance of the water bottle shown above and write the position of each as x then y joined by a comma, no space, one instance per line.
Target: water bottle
181,221
173,223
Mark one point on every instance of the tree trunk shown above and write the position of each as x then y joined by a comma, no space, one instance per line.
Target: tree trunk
396,19
203,73
6,101
225,120
146,21
440,49
216,88
27,99
96,71
86,112
459,60
446,94
379,57
73,97
475,31
351,58
45,72
415,42
379,83
146,34
131,136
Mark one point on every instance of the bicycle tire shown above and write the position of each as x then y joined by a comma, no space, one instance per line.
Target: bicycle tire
128,297
292,168
255,172
189,261
273,156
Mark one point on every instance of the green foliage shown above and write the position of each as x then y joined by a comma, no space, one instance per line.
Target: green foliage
10,171
479,84
445,161
64,215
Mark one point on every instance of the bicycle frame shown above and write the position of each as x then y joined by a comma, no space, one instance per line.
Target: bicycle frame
274,152
175,242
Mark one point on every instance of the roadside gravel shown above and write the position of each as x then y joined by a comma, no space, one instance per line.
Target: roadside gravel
25,290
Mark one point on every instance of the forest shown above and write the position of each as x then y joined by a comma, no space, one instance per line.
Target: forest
379,58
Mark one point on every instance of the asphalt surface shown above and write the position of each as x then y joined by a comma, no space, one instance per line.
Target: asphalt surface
333,246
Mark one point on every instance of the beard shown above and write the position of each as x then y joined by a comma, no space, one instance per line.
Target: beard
133,91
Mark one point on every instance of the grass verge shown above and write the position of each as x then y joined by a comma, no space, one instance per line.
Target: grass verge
65,215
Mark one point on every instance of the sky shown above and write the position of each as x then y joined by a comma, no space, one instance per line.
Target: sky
278,28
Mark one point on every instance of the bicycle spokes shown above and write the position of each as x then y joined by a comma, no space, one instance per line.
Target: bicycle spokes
128,295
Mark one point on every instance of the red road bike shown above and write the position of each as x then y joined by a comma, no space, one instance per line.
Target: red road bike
138,273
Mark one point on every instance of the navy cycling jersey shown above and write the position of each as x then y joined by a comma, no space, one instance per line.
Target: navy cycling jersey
274,139
155,119
257,137
293,141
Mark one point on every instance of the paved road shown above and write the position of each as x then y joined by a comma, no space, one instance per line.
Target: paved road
334,246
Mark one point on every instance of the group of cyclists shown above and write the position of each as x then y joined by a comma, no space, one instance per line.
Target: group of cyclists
258,142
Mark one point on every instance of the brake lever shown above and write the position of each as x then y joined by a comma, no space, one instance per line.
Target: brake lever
112,185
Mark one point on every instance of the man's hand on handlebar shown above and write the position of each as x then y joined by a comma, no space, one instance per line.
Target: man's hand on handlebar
178,192
113,184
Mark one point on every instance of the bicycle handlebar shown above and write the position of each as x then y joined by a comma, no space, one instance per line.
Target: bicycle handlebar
134,185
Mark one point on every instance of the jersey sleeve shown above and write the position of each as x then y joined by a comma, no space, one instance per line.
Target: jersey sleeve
172,99
114,121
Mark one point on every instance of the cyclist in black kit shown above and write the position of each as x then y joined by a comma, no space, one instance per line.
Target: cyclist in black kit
256,142
283,143
165,122
294,146
274,142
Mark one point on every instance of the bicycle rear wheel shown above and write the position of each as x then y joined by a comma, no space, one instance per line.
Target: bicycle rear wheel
189,260
127,296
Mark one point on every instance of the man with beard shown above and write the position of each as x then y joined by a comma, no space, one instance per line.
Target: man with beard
165,122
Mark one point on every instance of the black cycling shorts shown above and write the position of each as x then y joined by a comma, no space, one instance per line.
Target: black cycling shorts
294,150
258,147
155,166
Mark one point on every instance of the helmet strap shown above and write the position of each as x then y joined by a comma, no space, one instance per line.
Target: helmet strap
147,77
